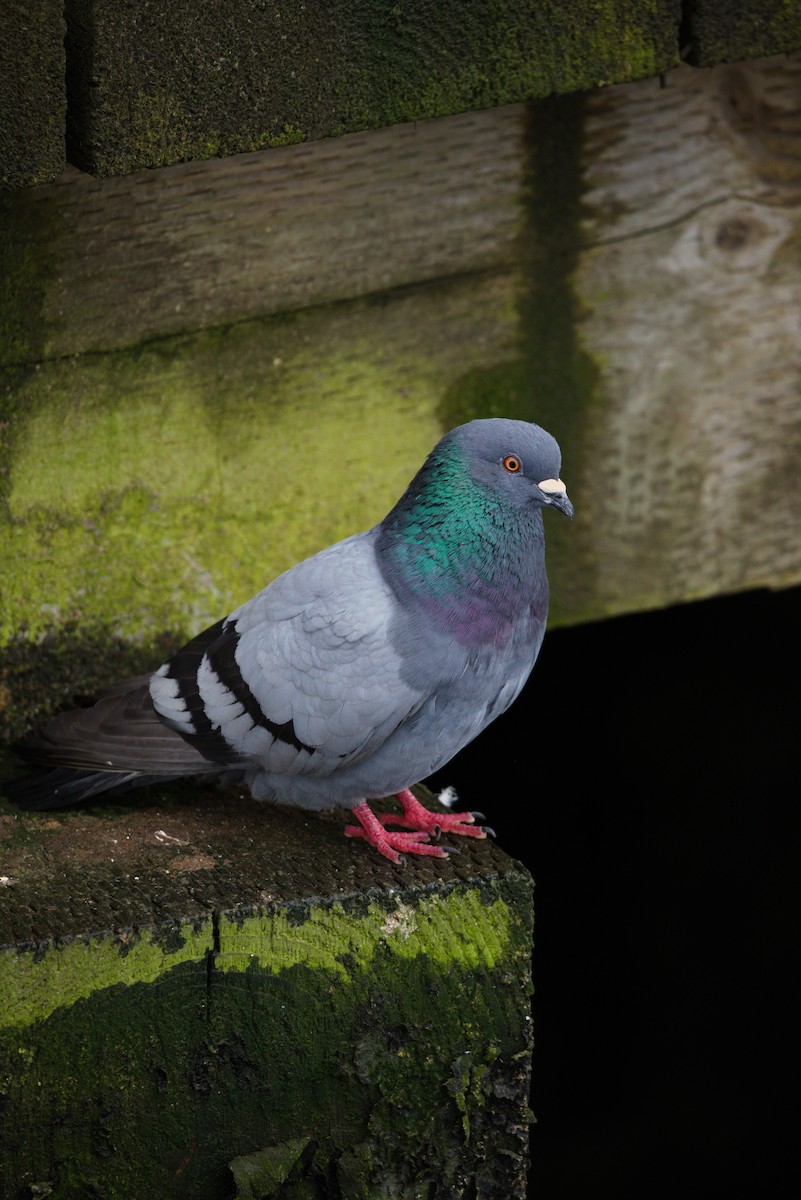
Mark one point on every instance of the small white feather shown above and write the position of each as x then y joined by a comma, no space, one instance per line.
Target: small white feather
448,797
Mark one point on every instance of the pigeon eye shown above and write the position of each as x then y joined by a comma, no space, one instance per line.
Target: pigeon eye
512,463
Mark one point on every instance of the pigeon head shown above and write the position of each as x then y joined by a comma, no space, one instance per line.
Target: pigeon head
482,483
516,460
465,541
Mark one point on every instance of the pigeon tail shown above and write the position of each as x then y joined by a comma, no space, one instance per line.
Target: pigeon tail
61,787
117,743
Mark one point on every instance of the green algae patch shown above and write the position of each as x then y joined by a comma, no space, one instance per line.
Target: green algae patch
456,929
35,982
150,491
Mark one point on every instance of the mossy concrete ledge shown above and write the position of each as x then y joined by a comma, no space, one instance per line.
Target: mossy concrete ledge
204,997
153,83
720,31
33,97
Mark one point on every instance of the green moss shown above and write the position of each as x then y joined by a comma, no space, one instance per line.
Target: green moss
32,95
160,492
408,65
260,1176
720,31
192,83
167,132
501,390
456,928
34,983
290,135
336,941
262,75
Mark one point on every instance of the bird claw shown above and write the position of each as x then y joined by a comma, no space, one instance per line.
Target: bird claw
438,823
390,842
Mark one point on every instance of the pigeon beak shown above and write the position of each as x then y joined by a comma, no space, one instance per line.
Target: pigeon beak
556,495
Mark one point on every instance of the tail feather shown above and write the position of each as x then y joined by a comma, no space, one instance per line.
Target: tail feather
61,787
117,743
120,732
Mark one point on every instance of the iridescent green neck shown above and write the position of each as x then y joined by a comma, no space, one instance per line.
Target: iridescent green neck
442,514
460,550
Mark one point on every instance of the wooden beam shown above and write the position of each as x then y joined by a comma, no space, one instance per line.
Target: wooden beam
97,265
687,442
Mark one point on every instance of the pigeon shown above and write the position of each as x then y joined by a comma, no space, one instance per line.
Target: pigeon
356,673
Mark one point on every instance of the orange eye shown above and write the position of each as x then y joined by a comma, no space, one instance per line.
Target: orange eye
512,463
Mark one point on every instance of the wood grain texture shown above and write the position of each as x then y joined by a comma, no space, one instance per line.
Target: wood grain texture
690,285
159,252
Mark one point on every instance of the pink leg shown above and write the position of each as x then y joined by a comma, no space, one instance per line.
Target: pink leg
389,842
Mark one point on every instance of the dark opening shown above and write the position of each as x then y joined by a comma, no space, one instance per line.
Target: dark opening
649,778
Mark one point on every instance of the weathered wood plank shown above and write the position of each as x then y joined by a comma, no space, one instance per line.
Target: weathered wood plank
687,285
117,262
223,982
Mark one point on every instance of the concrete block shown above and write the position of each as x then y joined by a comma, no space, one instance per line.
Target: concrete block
203,993
33,99
153,83
725,31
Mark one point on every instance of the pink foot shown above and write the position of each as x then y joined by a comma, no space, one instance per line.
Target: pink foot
416,817
388,842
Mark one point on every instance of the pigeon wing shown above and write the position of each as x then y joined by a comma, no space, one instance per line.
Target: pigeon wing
302,679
